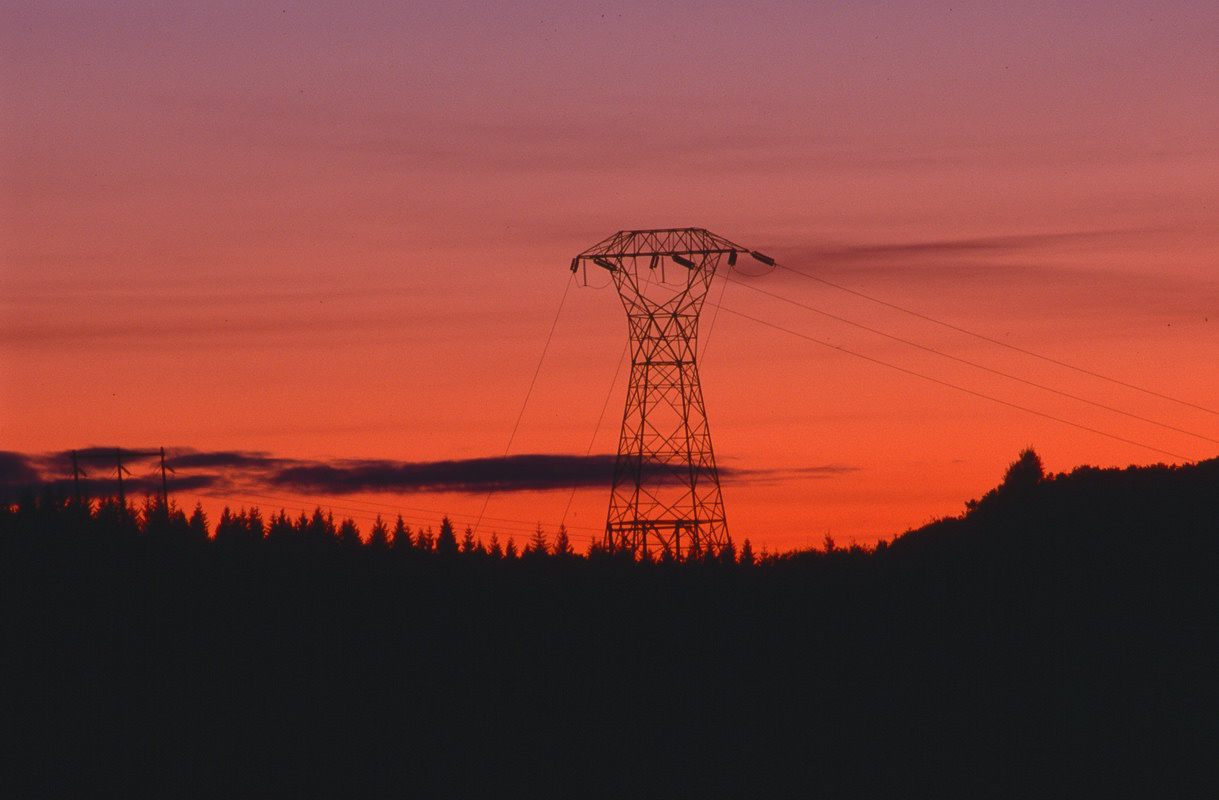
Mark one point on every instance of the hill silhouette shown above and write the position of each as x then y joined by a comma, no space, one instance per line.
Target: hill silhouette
1050,641
1087,513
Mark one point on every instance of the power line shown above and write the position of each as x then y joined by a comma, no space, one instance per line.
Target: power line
715,314
974,364
597,428
957,387
529,392
991,340
609,392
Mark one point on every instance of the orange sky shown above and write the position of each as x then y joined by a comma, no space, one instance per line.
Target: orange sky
325,233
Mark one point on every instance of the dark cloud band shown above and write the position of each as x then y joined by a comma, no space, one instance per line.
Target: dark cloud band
507,473
235,470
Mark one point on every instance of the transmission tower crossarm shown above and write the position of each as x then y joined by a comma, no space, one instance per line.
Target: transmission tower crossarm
650,253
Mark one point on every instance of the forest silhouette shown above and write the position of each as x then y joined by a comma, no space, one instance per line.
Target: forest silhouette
1054,639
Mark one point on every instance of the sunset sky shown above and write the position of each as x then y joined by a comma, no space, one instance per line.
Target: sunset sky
308,234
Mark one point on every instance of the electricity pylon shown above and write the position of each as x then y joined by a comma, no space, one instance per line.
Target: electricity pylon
118,455
666,491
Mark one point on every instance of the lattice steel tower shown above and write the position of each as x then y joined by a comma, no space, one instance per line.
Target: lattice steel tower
666,491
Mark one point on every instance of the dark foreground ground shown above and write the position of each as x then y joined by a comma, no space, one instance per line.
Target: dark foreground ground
1020,658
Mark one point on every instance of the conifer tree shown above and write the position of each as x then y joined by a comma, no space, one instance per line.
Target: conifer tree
177,522
728,553
280,528
537,546
320,527
378,537
747,557
255,529
510,553
467,541
241,526
494,549
226,525
349,534
446,540
154,517
197,526
424,540
562,544
402,535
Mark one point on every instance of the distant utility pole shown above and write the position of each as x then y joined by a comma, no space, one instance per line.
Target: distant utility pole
118,455
666,491
76,473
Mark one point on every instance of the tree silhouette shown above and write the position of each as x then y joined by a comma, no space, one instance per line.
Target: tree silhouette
537,546
255,529
467,541
424,539
280,528
158,521
318,528
596,550
1023,473
494,550
402,536
1020,480
378,536
227,527
349,534
562,545
155,517
446,540
197,525
728,553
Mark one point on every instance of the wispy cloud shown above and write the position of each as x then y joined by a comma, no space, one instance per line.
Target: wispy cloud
772,476
882,256
826,471
1069,271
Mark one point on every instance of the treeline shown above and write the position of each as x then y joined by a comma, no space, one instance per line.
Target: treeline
1152,507
1051,641
52,514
